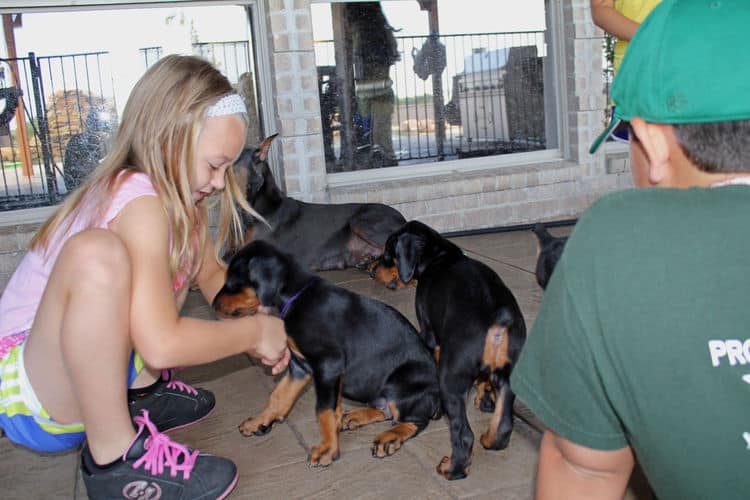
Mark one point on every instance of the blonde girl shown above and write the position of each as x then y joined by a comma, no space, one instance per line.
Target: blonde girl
105,278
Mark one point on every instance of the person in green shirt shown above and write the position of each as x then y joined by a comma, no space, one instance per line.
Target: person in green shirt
641,349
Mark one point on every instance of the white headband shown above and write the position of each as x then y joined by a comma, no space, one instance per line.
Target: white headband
230,104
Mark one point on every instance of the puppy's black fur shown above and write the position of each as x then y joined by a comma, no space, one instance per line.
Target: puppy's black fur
549,250
349,345
474,325
319,236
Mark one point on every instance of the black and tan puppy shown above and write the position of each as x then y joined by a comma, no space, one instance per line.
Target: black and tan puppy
473,324
347,344
549,250
320,236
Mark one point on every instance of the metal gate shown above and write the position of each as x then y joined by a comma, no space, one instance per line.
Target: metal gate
61,98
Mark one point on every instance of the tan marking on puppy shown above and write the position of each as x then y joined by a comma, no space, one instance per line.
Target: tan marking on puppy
436,353
388,276
394,410
388,442
243,303
483,385
359,417
278,406
328,450
292,345
384,275
488,438
495,353
445,466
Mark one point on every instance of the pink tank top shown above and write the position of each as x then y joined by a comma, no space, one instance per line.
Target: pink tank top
20,299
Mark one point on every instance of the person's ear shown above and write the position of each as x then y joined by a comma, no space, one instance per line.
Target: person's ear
655,142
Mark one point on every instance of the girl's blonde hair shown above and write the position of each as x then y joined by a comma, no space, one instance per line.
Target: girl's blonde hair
158,136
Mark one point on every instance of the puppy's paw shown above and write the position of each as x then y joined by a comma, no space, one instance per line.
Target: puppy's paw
386,444
491,441
322,455
446,469
358,417
350,421
258,426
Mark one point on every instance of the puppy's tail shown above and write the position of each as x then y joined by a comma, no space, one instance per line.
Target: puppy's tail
510,322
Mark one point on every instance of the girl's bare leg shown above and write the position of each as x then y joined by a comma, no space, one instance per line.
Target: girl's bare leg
78,351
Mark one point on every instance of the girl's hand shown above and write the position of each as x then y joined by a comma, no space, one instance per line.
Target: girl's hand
278,366
270,345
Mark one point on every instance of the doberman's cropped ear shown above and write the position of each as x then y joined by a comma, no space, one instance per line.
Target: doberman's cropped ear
409,249
247,177
261,154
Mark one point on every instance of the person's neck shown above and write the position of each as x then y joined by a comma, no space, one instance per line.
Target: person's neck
688,175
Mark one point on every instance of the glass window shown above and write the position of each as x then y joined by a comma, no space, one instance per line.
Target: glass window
407,82
75,70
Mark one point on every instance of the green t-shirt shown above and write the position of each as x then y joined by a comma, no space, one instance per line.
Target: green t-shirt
643,338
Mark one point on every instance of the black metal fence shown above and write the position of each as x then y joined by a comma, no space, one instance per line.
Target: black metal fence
232,58
454,96
58,93
67,114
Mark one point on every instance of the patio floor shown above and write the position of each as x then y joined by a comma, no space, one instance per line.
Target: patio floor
274,465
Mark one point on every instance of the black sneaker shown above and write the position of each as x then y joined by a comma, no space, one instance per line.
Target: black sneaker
172,404
156,467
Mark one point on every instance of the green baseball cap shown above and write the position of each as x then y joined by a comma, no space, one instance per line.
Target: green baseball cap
687,63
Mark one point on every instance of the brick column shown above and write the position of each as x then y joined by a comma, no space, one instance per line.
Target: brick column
296,99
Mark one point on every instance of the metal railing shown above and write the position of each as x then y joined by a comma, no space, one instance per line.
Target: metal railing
233,58
488,98
61,138
58,94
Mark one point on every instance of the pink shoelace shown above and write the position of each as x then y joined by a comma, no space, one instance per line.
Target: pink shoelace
161,451
177,384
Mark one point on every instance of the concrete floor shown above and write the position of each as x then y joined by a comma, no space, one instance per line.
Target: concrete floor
274,465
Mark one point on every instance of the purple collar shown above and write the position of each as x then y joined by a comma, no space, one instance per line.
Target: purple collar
294,297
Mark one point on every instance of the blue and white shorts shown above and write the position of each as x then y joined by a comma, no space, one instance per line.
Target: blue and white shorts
22,416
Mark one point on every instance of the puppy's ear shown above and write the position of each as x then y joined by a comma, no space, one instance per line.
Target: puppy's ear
261,154
409,249
389,251
246,176
268,275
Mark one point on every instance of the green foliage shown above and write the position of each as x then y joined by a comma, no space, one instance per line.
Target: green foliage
608,46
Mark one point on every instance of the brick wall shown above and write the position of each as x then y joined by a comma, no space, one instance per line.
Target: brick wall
490,198
297,107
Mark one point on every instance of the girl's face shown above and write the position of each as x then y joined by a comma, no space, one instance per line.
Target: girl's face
219,144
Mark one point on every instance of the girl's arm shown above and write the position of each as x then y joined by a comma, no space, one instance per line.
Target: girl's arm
212,273
160,335
605,16
211,278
